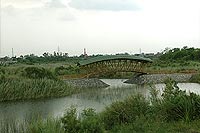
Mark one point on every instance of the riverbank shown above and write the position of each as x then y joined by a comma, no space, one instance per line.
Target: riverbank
142,125
142,79
175,112
160,78
13,89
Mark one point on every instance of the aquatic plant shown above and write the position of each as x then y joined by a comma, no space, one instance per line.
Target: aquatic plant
22,89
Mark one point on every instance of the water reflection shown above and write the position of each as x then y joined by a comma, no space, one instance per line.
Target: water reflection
188,87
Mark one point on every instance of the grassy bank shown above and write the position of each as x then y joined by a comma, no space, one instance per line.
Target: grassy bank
176,111
23,89
31,83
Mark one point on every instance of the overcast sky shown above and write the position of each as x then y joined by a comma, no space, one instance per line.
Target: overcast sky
100,26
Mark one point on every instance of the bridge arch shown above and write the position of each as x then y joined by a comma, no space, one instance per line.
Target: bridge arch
114,63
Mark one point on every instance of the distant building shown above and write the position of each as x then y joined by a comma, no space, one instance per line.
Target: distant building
85,53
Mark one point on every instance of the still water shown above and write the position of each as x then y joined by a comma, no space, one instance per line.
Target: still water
94,98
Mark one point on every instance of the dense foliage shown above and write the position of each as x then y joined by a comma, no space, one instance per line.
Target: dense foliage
177,105
176,60
125,111
181,54
87,122
38,73
61,70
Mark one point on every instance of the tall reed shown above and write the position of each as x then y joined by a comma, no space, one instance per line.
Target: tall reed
21,89
48,125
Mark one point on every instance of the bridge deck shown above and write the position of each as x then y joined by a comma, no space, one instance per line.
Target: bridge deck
113,57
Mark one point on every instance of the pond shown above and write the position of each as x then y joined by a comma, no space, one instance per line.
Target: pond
93,98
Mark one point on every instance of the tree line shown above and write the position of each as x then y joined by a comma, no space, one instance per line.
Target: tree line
181,54
174,54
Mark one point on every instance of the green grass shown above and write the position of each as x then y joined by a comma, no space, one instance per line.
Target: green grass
159,66
23,89
38,125
45,126
22,83
144,125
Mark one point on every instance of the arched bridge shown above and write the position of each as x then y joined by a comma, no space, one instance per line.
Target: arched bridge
114,63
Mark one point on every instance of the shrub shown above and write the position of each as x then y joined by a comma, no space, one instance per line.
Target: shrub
125,111
70,121
38,73
87,122
66,70
178,105
90,122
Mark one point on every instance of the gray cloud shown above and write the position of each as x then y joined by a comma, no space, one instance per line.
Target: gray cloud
55,4
51,10
57,9
113,5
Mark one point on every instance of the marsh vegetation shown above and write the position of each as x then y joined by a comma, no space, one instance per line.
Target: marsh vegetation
33,77
173,111
32,83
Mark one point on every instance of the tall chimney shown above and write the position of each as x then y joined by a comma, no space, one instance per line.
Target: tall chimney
85,54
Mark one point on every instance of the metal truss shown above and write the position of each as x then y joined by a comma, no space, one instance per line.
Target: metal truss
112,66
